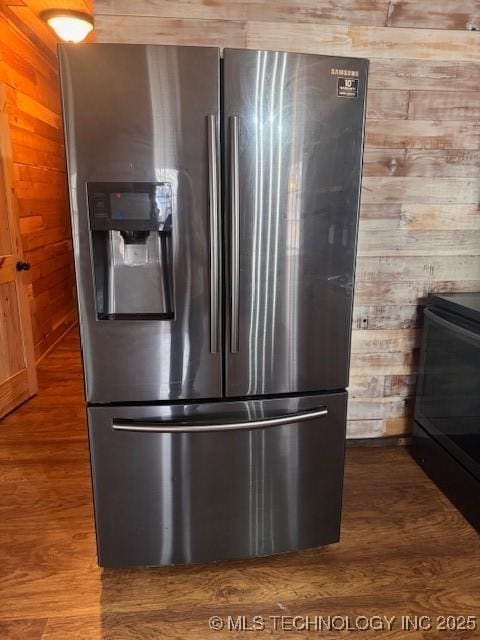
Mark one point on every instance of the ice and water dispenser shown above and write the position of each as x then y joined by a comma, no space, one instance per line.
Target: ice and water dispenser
131,230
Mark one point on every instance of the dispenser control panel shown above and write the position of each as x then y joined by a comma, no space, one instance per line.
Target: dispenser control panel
130,206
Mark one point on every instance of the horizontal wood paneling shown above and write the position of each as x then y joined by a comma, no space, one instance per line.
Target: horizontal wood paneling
407,293
373,12
454,14
423,75
426,192
444,105
417,268
378,408
434,216
419,243
433,163
422,134
393,427
419,222
419,216
436,14
420,190
360,41
386,316
386,363
384,340
387,104
381,386
137,29
365,429
33,102
336,40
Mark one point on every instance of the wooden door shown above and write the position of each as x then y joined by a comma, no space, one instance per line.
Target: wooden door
17,361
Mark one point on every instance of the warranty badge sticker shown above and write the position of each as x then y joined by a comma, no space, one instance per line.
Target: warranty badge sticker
347,87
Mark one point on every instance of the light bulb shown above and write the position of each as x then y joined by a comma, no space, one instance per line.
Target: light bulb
69,26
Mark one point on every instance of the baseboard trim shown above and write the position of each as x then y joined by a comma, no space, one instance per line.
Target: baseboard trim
54,344
384,441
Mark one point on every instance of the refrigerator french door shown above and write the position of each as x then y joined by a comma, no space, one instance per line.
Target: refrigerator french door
294,148
214,212
142,122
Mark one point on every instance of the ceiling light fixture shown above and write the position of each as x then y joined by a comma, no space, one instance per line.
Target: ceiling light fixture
70,26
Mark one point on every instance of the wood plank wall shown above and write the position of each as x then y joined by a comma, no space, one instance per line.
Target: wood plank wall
29,70
420,222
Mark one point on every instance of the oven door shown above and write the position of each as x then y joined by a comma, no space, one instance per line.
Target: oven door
448,394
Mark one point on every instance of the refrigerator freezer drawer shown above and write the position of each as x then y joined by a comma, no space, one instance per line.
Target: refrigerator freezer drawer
215,481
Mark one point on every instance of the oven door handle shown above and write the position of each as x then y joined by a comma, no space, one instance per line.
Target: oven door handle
169,426
451,326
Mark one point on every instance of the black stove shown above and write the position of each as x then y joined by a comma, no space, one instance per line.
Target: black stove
446,438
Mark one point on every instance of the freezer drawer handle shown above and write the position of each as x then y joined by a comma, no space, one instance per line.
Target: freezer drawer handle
155,426
213,227
451,326
235,234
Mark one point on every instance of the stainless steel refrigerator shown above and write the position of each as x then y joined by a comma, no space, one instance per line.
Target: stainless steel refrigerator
214,206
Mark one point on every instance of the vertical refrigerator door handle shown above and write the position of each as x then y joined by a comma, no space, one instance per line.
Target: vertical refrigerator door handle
213,227
235,235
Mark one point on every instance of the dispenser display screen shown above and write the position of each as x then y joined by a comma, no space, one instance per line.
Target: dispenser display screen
130,206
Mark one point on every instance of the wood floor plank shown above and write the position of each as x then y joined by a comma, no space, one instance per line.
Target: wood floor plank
22,629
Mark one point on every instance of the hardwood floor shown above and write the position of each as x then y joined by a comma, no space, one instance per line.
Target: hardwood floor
404,550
